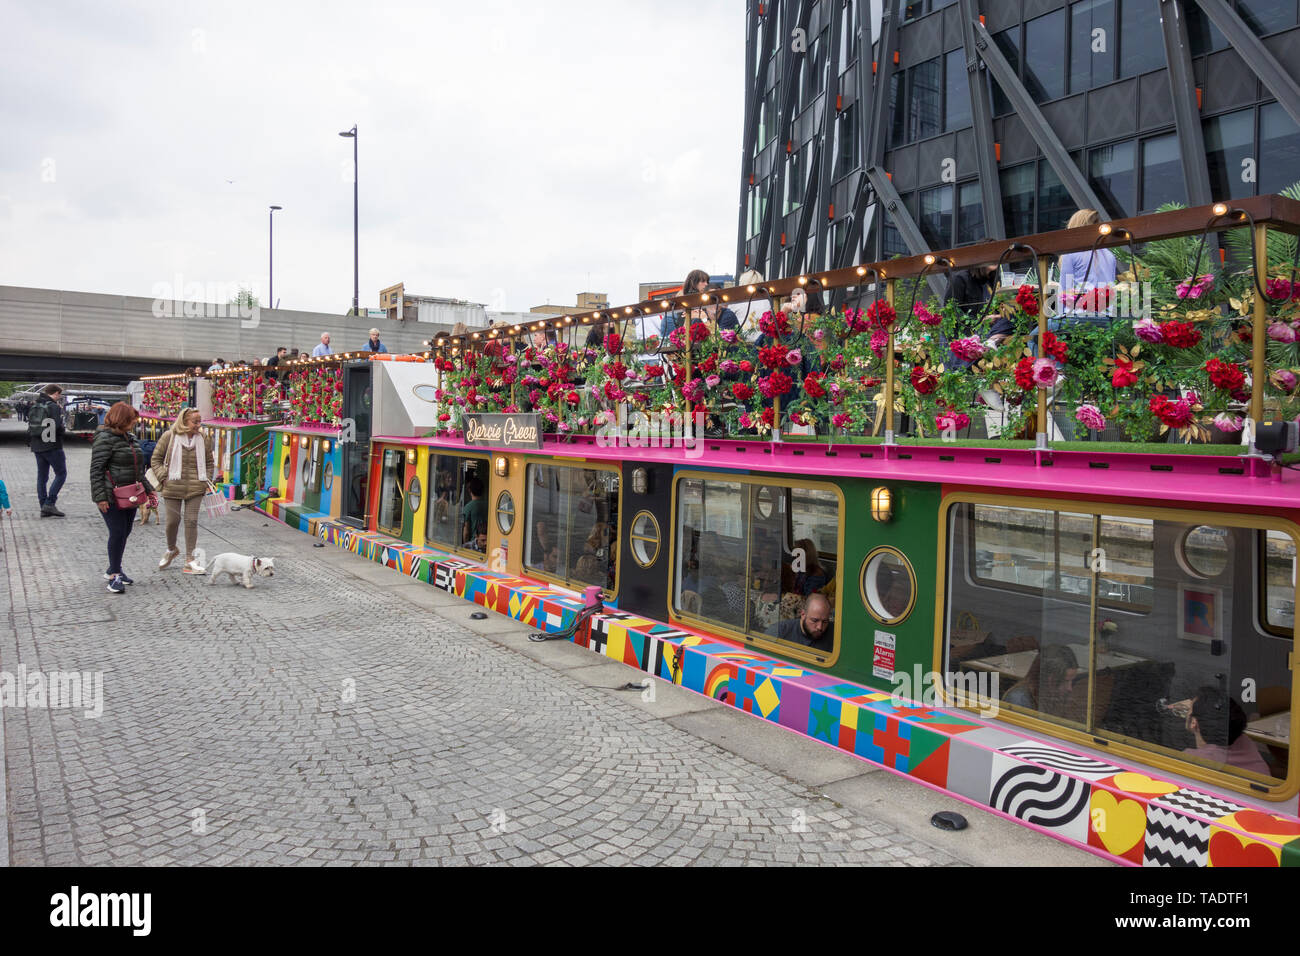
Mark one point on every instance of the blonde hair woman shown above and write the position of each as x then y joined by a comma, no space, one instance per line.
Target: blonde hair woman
750,311
1099,267
184,463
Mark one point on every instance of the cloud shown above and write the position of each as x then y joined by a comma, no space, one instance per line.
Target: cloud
506,151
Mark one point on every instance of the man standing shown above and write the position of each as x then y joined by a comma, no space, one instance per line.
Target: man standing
373,344
278,358
45,435
323,348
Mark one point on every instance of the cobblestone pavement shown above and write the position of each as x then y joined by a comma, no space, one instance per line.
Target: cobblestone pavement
341,714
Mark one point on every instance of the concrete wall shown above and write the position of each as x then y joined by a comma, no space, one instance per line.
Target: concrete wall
115,328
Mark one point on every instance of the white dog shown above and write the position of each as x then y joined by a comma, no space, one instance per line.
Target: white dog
240,566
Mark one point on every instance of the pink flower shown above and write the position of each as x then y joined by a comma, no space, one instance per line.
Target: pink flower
1194,289
1228,423
693,390
746,421
1280,331
925,316
841,419
728,367
1284,380
712,381
968,349
564,426
1279,289
879,339
1044,372
793,357
1148,330
728,335
818,335
1090,416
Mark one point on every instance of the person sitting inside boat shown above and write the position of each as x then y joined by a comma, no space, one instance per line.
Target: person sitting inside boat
812,627
1049,683
473,516
1219,725
813,577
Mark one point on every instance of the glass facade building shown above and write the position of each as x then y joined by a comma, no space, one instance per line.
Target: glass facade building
1098,72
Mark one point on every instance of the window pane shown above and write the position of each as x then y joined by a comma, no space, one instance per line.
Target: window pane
897,113
846,137
1110,171
794,536
1203,36
1229,139
923,100
1126,576
572,518
1162,173
1141,42
1018,200
1279,580
970,213
1045,57
1267,16
390,490
445,502
546,509
1008,43
936,217
1055,207
1092,54
1279,149
712,542
956,92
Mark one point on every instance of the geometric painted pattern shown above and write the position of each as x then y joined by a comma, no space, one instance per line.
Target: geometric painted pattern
1119,813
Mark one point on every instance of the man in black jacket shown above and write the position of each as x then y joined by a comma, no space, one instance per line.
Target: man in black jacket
45,429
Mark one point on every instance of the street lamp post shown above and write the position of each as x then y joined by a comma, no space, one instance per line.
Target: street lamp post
271,257
356,267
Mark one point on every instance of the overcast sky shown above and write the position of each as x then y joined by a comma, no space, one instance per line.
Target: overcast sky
510,153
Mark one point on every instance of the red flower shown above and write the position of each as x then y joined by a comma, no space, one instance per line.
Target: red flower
616,370
572,398
881,315
837,363
768,416
1055,348
1123,376
775,385
614,343
444,417
1174,414
773,326
924,382
773,356
746,366
708,366
742,391
1025,373
1225,375
1027,299
812,384
653,370
1181,335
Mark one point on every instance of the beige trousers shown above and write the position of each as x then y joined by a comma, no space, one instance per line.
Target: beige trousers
190,506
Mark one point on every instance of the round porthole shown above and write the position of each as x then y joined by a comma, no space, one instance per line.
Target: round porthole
888,585
305,472
645,539
284,470
764,501
505,512
329,475
414,493
1203,552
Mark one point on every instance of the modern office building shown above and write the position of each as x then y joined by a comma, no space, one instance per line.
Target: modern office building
585,302
870,133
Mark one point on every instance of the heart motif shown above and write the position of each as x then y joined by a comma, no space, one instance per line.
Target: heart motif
1119,824
1227,849
1265,824
1141,783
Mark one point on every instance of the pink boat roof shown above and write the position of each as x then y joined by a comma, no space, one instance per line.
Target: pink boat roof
1165,479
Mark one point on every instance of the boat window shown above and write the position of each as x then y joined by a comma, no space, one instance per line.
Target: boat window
1279,562
750,556
1152,643
645,539
505,512
458,512
888,585
390,491
572,524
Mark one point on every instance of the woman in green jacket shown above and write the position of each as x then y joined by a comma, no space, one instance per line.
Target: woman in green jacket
115,459
184,464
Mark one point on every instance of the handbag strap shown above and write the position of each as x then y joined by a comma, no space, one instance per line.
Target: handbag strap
135,463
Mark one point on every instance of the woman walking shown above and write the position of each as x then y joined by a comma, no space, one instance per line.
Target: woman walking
115,465
184,463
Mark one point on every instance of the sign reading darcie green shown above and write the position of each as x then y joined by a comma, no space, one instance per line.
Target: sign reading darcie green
503,431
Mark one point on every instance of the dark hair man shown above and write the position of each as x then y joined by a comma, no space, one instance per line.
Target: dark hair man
45,427
474,516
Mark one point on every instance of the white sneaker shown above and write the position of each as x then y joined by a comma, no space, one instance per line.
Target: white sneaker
167,559
193,567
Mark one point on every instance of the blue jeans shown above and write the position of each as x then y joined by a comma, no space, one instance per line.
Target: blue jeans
47,461
119,521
